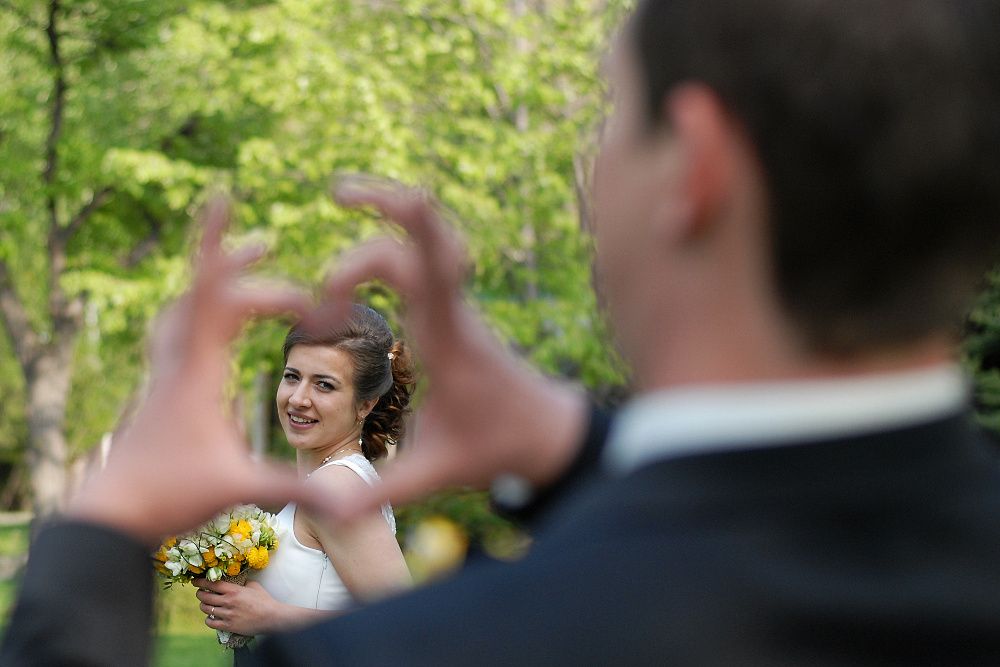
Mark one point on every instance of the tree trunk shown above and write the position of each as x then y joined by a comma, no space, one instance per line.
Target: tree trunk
48,383
260,418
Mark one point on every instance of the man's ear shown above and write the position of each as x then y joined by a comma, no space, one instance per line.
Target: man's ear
708,146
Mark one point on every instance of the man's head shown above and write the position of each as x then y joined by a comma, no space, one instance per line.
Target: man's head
874,129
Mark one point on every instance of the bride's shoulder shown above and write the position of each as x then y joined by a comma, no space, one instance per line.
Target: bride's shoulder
340,474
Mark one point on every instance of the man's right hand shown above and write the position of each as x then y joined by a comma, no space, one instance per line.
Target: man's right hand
486,413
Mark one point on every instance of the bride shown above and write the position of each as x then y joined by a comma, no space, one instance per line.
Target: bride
341,403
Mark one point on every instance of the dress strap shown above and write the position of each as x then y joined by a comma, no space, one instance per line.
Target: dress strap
361,467
366,471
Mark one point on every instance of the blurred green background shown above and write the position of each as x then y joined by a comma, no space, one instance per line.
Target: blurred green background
119,117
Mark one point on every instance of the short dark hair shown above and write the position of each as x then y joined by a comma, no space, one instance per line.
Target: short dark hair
877,124
382,369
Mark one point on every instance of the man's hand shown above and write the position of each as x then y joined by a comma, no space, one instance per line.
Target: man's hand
181,458
486,413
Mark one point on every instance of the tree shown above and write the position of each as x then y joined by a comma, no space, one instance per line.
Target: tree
118,114
69,59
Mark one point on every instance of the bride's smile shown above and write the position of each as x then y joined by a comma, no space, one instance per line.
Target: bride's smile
316,400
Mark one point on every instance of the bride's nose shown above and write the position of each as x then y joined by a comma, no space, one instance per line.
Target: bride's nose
300,397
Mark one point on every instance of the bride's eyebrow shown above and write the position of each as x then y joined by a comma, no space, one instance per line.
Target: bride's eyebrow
315,376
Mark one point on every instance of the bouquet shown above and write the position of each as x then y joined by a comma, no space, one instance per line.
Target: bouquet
226,548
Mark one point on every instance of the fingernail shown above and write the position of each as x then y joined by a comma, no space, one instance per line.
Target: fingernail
345,186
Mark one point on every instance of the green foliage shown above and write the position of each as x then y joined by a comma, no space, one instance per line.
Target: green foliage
471,510
981,352
13,429
490,103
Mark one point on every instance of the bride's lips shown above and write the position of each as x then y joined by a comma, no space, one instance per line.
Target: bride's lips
300,422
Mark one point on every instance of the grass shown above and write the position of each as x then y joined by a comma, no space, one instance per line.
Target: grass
175,650
181,636
182,640
13,540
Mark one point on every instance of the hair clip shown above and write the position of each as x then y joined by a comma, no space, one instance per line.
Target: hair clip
391,355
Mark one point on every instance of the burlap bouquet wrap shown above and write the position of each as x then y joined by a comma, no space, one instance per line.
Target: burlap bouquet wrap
232,639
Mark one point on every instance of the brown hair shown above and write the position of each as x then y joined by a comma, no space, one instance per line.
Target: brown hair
382,369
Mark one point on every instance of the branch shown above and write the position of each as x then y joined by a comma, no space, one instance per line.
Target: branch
145,247
15,320
88,209
58,104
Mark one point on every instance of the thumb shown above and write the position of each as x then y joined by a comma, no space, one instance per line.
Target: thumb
270,484
405,480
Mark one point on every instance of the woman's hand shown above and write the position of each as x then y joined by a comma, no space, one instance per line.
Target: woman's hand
250,610
246,610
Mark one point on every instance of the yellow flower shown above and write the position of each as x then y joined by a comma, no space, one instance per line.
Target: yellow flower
211,560
171,541
161,568
161,555
436,546
241,527
257,557
233,568
195,570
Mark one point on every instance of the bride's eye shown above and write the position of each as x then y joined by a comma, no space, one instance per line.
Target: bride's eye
325,386
289,376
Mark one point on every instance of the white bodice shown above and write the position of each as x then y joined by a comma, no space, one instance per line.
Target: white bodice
303,576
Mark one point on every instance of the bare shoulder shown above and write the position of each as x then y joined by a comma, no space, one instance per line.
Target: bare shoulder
339,477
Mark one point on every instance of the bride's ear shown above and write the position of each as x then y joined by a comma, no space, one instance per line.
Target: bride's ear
365,408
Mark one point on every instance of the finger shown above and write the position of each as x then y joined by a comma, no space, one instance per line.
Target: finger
243,257
265,300
265,483
215,219
328,315
442,258
383,258
413,209
209,608
405,480
208,597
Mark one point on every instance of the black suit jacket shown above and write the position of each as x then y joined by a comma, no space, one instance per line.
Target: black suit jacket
882,549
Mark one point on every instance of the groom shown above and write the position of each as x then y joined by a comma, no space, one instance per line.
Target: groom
794,201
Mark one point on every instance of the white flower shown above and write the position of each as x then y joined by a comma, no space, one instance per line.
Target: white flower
175,567
214,573
189,548
225,549
244,512
218,526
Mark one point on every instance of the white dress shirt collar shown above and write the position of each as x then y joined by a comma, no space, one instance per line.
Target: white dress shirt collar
694,420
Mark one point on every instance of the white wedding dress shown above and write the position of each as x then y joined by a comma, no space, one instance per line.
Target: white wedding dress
303,576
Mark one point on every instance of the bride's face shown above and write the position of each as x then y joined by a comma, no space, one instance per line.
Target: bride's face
315,399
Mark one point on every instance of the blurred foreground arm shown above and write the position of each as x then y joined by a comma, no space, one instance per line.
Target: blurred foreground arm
486,413
86,597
